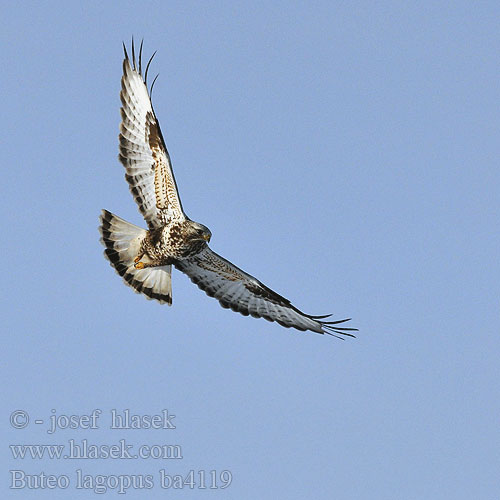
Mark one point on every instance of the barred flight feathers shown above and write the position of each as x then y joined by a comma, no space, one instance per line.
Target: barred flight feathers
237,290
144,258
143,152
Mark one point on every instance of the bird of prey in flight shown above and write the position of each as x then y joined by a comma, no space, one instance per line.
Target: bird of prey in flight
144,258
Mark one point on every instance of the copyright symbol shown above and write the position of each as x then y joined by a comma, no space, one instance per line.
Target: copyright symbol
19,419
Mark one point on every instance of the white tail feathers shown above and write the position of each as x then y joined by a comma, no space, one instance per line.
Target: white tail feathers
123,241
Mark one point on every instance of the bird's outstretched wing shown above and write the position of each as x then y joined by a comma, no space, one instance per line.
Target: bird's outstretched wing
142,149
237,290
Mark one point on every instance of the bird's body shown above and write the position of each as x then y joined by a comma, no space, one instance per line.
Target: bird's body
144,258
172,242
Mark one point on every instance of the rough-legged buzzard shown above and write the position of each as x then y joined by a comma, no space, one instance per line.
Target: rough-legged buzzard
144,258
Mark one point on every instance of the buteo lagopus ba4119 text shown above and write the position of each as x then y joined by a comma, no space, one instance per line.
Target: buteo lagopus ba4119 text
144,258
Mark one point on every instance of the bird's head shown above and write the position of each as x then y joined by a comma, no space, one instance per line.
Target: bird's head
199,231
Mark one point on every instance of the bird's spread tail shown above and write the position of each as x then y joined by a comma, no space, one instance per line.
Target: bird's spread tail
123,241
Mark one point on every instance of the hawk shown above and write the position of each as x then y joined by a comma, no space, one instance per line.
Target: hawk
144,258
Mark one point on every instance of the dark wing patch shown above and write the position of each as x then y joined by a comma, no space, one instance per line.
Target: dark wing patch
237,290
143,152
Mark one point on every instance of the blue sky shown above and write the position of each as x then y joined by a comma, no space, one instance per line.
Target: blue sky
345,153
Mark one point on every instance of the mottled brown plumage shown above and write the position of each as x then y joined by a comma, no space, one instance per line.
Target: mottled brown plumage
174,241
144,258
